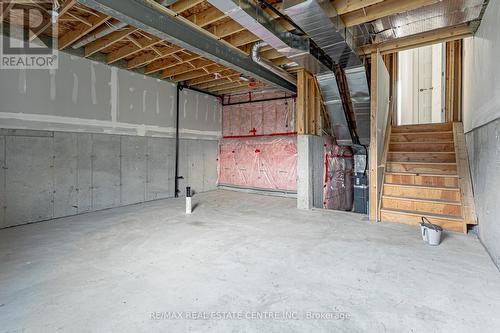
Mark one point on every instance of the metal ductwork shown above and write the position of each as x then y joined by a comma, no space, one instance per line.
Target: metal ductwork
268,64
297,48
256,20
330,93
324,26
360,98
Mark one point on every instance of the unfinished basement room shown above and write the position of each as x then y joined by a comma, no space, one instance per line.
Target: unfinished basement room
250,166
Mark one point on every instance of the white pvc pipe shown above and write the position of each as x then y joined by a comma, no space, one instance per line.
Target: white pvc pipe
188,205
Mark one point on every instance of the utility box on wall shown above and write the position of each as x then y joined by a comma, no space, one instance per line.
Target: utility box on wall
361,191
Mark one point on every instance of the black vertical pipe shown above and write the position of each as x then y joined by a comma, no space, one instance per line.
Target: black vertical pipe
176,194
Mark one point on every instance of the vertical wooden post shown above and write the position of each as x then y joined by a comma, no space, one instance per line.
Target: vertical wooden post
301,105
373,139
453,84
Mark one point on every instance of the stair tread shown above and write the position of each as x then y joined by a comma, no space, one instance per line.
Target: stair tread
420,174
422,152
421,132
424,186
440,201
431,215
423,163
420,142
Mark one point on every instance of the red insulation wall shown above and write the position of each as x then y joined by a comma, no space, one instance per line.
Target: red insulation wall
259,145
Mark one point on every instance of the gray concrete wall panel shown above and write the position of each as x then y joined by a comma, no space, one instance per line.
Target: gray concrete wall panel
29,181
53,174
161,168
84,176
133,169
65,174
105,171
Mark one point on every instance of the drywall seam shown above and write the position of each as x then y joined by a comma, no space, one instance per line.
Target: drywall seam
140,129
114,94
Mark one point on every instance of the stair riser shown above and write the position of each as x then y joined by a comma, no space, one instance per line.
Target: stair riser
422,193
439,181
422,147
421,157
447,224
423,128
424,137
422,207
441,169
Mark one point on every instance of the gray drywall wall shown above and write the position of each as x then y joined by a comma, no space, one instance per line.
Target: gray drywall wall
481,113
483,145
481,86
47,174
87,96
310,165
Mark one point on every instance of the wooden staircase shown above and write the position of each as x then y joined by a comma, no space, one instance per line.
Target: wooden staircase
427,174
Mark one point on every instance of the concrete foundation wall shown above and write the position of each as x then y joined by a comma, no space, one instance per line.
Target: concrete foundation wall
46,174
310,171
483,145
481,108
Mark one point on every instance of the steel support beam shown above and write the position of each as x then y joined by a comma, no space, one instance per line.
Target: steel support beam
139,14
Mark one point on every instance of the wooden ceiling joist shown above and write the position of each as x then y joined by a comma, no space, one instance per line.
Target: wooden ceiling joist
64,9
220,81
151,56
244,88
183,5
188,67
418,40
226,29
137,45
206,80
163,64
206,17
346,6
108,40
81,30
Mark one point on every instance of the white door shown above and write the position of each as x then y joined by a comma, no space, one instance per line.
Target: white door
420,85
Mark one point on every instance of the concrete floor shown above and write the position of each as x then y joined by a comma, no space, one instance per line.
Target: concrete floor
108,271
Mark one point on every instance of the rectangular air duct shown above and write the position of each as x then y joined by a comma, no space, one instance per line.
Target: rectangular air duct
295,47
324,26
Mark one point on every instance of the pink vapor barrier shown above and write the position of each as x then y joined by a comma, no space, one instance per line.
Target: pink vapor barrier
268,163
259,118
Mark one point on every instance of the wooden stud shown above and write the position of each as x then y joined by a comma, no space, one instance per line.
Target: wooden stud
373,177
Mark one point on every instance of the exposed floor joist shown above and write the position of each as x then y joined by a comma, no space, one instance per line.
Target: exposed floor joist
143,16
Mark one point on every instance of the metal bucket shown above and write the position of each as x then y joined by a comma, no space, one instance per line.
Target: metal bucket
431,233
